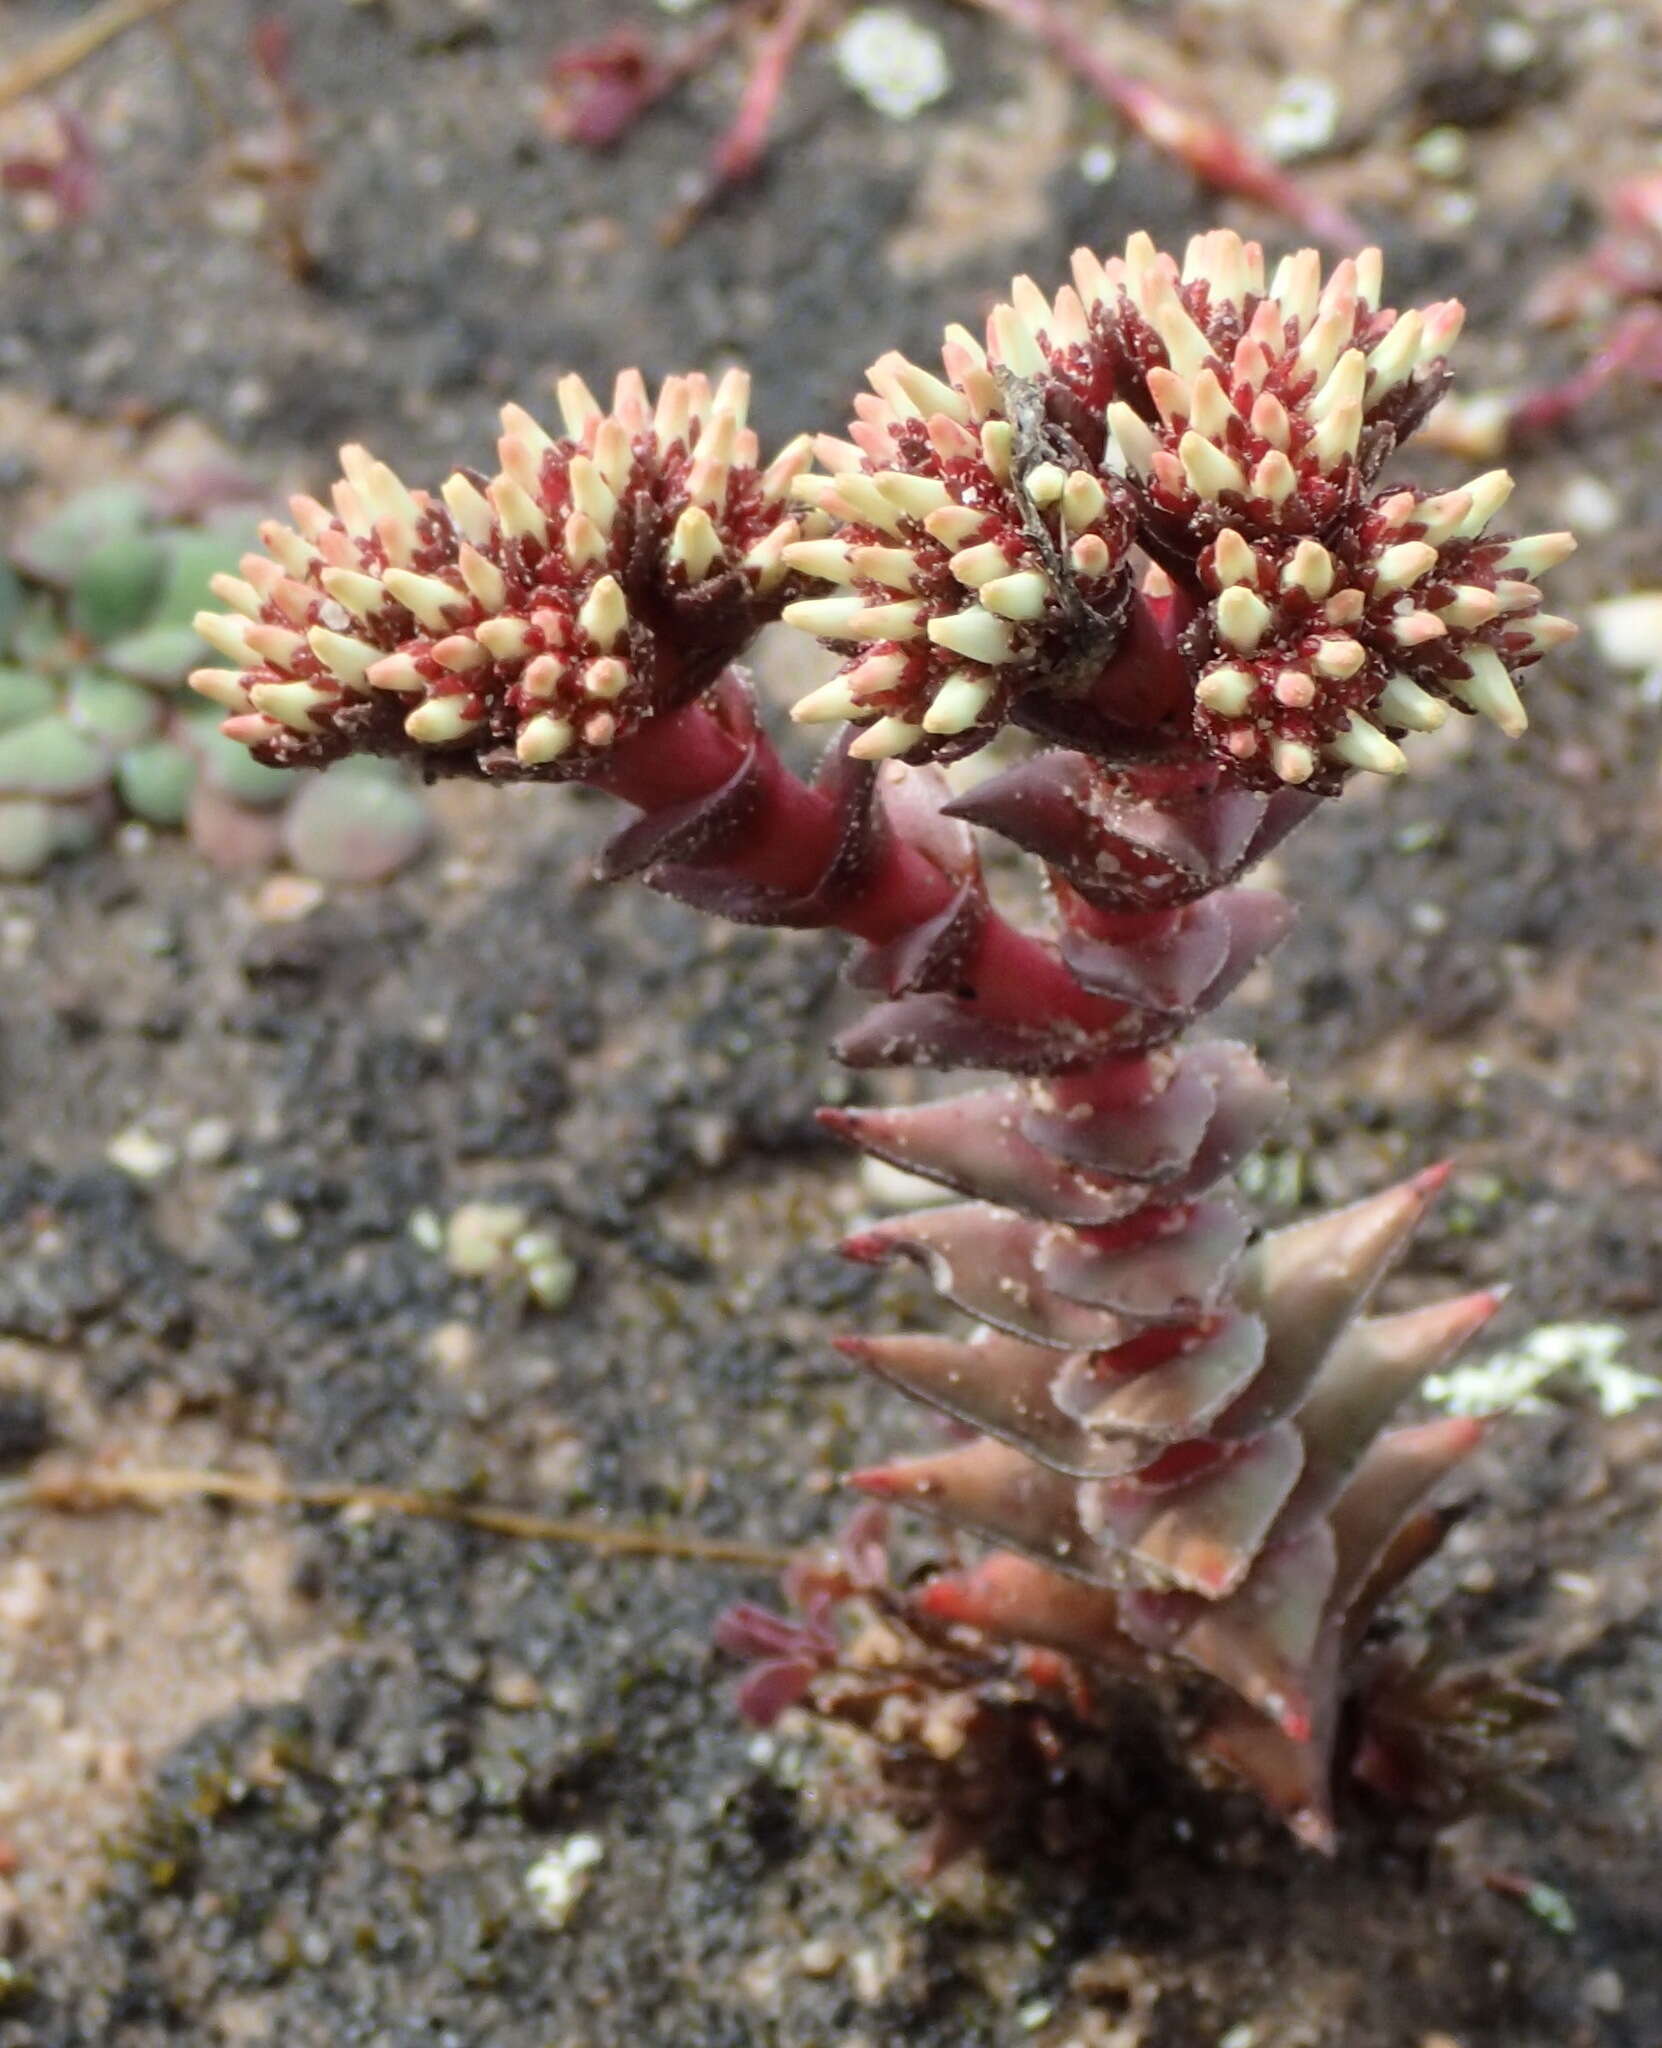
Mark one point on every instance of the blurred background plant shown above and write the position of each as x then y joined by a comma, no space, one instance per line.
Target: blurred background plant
97,729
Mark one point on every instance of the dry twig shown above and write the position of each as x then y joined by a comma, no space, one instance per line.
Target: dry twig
91,1489
58,54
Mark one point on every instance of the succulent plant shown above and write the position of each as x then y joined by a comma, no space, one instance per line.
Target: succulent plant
95,643
1145,523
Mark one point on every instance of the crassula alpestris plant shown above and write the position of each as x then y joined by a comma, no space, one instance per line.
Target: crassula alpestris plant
1146,523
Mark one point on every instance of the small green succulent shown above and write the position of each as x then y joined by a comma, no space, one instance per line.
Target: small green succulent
96,726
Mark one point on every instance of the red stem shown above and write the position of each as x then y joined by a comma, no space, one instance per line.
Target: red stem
791,838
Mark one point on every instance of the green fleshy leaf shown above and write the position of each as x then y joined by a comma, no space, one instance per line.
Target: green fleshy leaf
11,603
56,550
77,828
194,556
48,758
155,781
161,656
355,827
233,771
28,838
24,697
116,587
38,639
115,713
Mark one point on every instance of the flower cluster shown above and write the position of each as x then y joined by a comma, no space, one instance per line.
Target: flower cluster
1234,430
530,619
1270,405
979,552
1408,607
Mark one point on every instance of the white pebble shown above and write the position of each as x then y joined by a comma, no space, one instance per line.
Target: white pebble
140,1153
1587,1354
1628,630
25,1595
1587,504
1302,118
894,63
479,1235
1510,45
1442,152
557,1881
209,1141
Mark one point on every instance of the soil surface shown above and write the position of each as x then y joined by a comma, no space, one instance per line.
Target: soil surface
271,1777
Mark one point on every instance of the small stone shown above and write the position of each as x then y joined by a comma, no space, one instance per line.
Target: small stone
1443,152
550,1271
1627,630
1302,118
355,828
1510,45
140,1153
1604,1991
479,1238
1588,505
820,1958
208,1142
287,899
515,1691
454,1348
282,1221
892,61
25,1596
556,1882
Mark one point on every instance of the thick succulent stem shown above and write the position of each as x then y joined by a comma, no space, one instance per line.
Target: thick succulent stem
726,825
1187,1425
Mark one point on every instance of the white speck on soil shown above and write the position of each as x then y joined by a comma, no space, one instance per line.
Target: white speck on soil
894,63
1581,1354
556,1882
1302,118
140,1153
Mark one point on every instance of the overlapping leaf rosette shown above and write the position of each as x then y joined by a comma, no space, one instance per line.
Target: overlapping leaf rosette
1145,522
1232,430
522,622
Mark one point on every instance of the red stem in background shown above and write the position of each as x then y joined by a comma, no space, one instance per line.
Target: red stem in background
1633,347
1215,155
740,150
741,147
